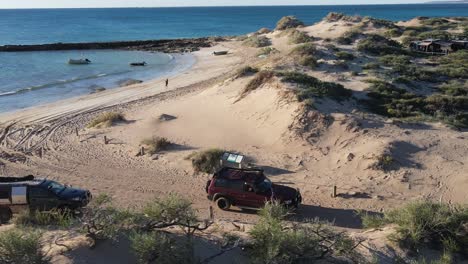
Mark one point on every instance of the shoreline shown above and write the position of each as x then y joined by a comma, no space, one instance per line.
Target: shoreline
204,67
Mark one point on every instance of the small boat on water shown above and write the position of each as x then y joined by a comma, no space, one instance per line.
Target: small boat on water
218,53
79,61
138,63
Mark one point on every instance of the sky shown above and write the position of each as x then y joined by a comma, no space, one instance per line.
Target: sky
166,3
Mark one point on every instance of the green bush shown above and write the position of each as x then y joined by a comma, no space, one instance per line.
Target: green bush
455,88
392,60
107,119
158,247
288,22
378,45
21,247
257,41
371,66
393,33
454,65
298,37
349,37
267,51
156,144
308,61
312,87
206,161
273,242
55,217
430,224
435,34
343,55
304,50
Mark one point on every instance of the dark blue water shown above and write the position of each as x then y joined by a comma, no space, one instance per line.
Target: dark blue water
84,25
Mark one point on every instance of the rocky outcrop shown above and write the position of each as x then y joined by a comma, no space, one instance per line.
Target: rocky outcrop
168,45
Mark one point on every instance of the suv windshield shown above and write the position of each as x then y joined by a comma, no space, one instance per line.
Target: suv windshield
55,187
264,186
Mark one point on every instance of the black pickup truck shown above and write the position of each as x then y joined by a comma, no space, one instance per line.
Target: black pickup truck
22,193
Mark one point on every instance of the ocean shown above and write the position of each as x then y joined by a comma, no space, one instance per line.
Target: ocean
32,78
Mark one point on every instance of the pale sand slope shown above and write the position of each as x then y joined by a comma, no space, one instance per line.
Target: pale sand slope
431,159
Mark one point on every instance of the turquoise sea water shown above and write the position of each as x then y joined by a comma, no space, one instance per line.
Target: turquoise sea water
32,78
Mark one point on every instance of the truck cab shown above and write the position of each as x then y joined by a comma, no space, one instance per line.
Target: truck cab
248,188
22,193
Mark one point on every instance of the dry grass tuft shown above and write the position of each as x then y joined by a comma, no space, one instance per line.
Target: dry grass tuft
156,144
106,119
207,161
259,79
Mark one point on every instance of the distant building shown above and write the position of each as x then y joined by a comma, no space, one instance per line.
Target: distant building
439,46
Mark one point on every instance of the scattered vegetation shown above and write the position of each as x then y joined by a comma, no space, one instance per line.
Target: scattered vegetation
264,31
425,223
455,88
349,37
106,119
257,41
305,55
57,218
156,144
383,162
395,60
312,87
393,33
389,100
206,161
267,51
378,45
371,66
343,55
260,78
288,22
298,37
276,242
21,246
454,65
246,71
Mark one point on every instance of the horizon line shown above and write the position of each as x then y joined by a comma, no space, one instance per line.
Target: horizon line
201,6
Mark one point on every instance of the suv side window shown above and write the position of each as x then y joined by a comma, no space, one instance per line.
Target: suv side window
230,184
4,193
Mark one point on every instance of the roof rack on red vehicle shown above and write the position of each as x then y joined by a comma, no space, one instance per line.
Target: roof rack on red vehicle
240,174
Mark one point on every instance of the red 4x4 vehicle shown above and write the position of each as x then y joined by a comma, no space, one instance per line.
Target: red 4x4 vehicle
248,188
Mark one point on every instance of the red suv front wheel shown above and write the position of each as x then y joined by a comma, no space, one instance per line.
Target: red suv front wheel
223,203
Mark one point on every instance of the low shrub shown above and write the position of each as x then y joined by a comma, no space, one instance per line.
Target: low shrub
275,242
343,55
455,88
392,60
454,65
106,119
349,37
308,61
332,47
393,33
313,87
55,217
428,224
383,162
156,144
207,161
246,71
304,50
371,66
21,246
288,22
257,41
264,31
378,45
267,51
435,34
260,78
298,37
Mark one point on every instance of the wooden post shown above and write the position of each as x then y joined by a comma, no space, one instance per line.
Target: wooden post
211,214
76,131
142,151
40,152
334,192
105,140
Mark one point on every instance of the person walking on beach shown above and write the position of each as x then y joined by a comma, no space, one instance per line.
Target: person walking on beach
167,82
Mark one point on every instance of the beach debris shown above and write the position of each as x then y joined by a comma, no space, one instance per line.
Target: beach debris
350,156
79,61
143,63
219,53
13,157
166,117
129,82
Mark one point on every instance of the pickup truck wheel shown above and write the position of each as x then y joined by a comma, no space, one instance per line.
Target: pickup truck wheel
223,203
5,215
